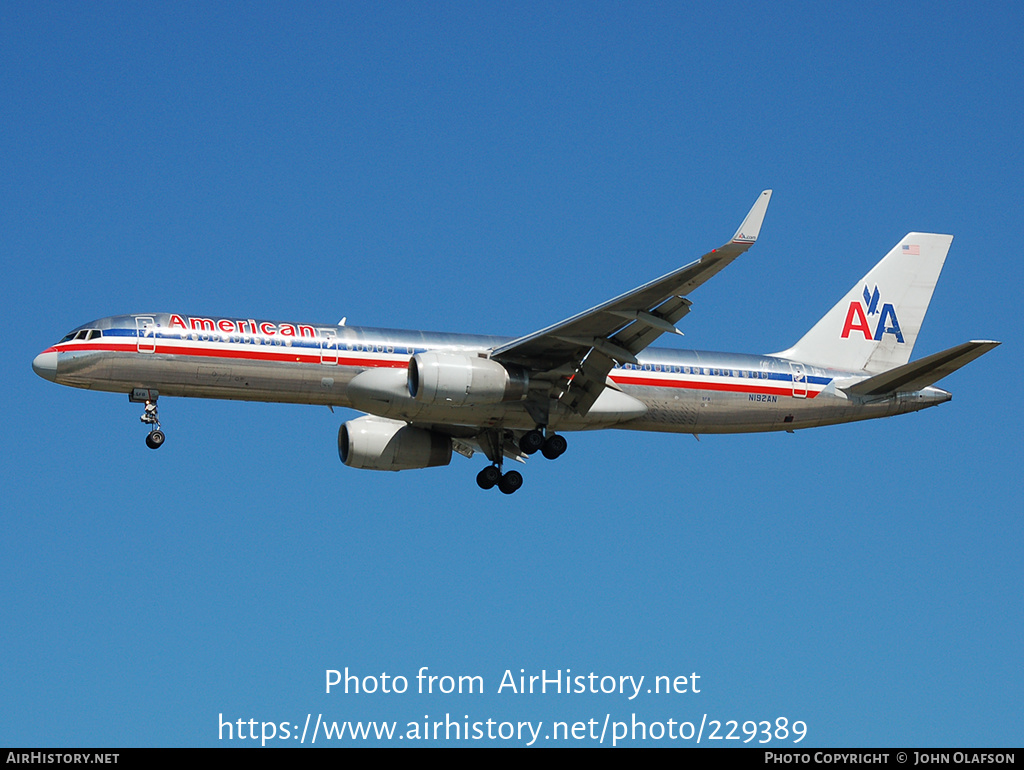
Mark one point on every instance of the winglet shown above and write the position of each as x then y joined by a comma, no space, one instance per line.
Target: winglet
752,224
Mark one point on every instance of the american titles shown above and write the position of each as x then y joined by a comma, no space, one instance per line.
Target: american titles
248,326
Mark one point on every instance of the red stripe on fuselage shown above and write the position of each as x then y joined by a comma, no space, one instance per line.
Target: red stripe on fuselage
726,387
292,356
283,355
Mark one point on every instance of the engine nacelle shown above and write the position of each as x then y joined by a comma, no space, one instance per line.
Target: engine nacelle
377,444
457,379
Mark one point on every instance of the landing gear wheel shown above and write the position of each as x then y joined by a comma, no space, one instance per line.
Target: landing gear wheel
531,442
488,477
554,446
510,482
149,417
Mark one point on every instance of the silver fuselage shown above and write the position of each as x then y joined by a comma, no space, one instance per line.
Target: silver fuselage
681,391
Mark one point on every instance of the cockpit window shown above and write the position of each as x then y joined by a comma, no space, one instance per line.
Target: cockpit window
82,334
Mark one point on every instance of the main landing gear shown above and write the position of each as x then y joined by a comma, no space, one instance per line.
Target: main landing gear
507,482
149,417
552,446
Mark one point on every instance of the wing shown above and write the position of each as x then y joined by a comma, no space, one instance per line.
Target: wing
577,354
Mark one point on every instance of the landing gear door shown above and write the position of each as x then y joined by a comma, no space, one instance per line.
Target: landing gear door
145,332
799,372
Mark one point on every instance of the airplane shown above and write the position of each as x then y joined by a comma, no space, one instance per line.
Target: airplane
427,395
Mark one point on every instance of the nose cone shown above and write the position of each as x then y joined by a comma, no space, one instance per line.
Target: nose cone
45,365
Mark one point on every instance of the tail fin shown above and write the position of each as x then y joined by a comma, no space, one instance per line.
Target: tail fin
874,327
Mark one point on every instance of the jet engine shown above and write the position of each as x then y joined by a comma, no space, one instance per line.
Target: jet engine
377,444
457,379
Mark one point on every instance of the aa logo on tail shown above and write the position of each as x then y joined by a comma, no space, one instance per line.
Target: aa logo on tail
857,318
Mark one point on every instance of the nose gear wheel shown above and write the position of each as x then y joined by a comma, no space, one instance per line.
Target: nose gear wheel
150,417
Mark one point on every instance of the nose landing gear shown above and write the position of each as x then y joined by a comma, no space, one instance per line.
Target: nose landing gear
149,417
155,439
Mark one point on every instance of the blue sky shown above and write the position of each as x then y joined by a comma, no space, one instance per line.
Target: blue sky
493,169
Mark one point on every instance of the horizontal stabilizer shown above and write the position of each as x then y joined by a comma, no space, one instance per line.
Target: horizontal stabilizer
918,375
